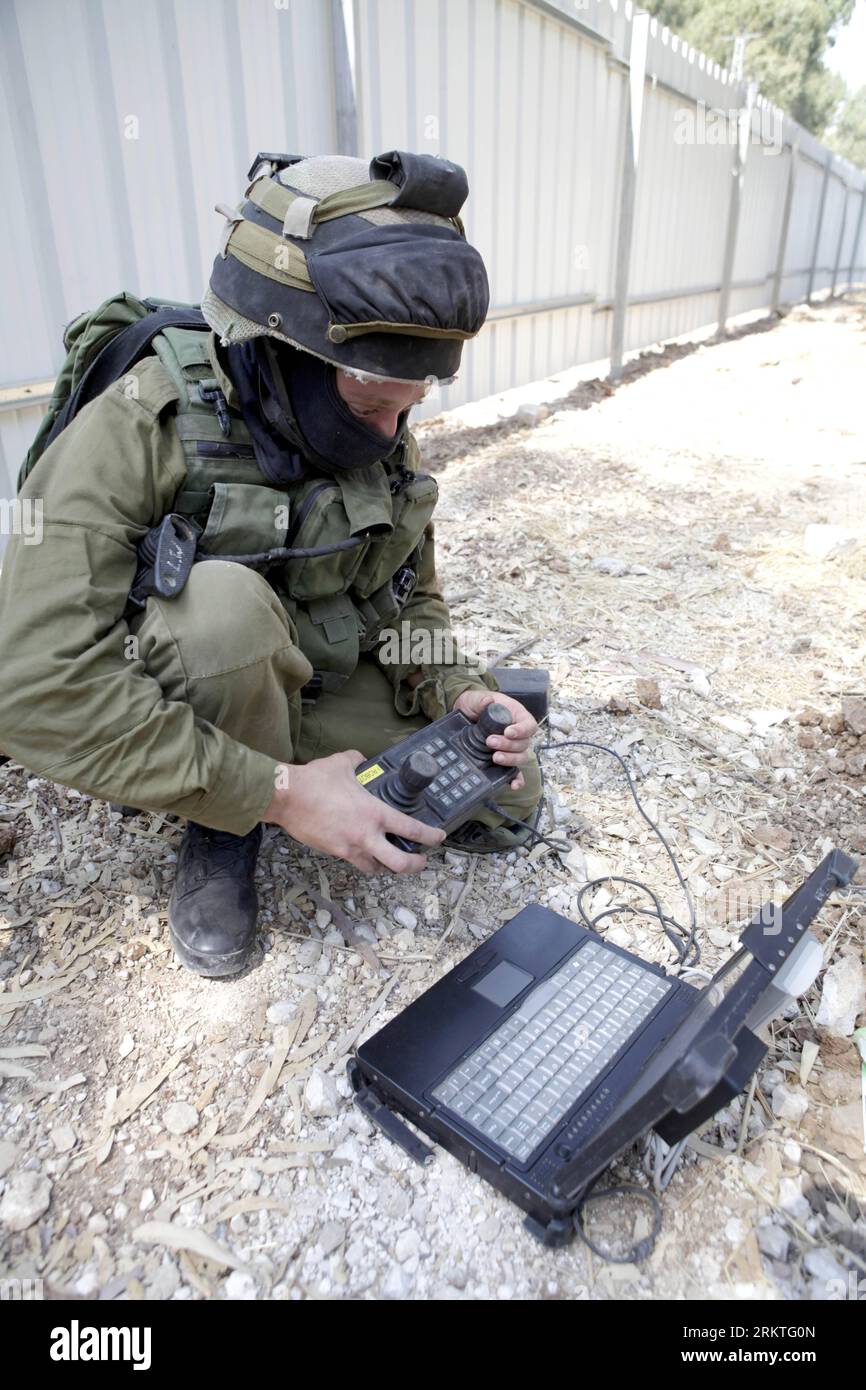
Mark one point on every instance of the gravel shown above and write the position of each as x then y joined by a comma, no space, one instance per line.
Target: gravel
843,996
180,1118
773,1241
27,1197
321,1097
789,1103
405,918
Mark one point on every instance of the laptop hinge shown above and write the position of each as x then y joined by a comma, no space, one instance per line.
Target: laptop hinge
392,1125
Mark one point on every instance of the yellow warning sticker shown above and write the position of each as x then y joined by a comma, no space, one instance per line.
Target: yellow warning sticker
369,774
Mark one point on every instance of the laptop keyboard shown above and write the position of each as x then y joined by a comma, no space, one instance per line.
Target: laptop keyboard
517,1086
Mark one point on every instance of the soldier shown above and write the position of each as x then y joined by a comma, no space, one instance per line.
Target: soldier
339,294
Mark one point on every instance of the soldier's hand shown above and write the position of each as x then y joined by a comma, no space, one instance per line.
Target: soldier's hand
511,748
322,806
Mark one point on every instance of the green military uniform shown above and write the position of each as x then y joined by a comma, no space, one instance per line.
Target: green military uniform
187,706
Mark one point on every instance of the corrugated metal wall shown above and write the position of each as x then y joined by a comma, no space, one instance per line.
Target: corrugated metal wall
126,120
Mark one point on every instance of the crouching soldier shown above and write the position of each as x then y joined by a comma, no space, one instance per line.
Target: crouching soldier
275,419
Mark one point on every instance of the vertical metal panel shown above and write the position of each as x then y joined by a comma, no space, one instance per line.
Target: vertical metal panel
829,241
762,211
855,263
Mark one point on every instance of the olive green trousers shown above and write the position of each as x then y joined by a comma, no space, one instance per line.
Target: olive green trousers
227,647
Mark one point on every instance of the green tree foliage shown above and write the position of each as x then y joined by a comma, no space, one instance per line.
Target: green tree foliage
786,57
848,134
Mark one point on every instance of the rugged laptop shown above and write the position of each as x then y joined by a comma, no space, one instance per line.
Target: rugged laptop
548,1050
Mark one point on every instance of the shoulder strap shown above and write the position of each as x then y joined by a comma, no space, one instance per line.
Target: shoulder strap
120,354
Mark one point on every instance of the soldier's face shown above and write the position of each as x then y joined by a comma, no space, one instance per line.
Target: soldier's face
379,403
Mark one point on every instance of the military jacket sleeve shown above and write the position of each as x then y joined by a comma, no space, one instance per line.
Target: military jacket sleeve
75,702
423,640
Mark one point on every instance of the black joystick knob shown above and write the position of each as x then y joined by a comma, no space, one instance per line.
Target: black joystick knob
493,719
414,774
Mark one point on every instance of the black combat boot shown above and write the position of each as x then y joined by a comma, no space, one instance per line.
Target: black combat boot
213,908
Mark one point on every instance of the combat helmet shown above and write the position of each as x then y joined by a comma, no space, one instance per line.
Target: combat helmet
365,266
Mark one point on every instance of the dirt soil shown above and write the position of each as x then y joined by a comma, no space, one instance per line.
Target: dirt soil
163,1136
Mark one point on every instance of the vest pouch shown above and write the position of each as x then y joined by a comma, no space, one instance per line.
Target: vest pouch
321,517
245,519
328,635
412,507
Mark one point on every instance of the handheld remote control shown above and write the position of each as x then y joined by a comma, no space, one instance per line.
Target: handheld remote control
440,774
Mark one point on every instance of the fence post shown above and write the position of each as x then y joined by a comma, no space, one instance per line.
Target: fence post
839,243
856,247
738,172
827,167
631,153
783,232
344,83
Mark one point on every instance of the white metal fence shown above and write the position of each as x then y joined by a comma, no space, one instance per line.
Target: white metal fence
623,189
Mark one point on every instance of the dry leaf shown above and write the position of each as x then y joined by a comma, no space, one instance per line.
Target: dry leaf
15,1070
648,693
808,1058
774,836
248,1204
55,1087
293,1146
189,1238
195,1276
129,1101
237,1140
616,705
282,1042
105,1149
265,1165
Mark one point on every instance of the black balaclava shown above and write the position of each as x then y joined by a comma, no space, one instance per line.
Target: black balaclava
339,441
278,447
296,416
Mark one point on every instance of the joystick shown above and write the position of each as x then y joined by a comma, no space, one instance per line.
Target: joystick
412,778
493,719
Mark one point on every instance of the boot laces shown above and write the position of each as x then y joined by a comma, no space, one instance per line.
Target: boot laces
223,854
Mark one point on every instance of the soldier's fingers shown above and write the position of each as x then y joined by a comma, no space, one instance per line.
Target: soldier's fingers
511,759
510,745
396,823
518,783
365,863
397,860
523,727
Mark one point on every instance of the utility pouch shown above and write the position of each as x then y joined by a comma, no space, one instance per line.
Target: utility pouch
244,519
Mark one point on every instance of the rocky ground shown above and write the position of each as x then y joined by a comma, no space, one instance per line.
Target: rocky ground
686,555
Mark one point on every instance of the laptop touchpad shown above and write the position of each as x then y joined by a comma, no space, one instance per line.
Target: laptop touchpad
502,983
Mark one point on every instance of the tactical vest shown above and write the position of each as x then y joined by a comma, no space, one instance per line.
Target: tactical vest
340,602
